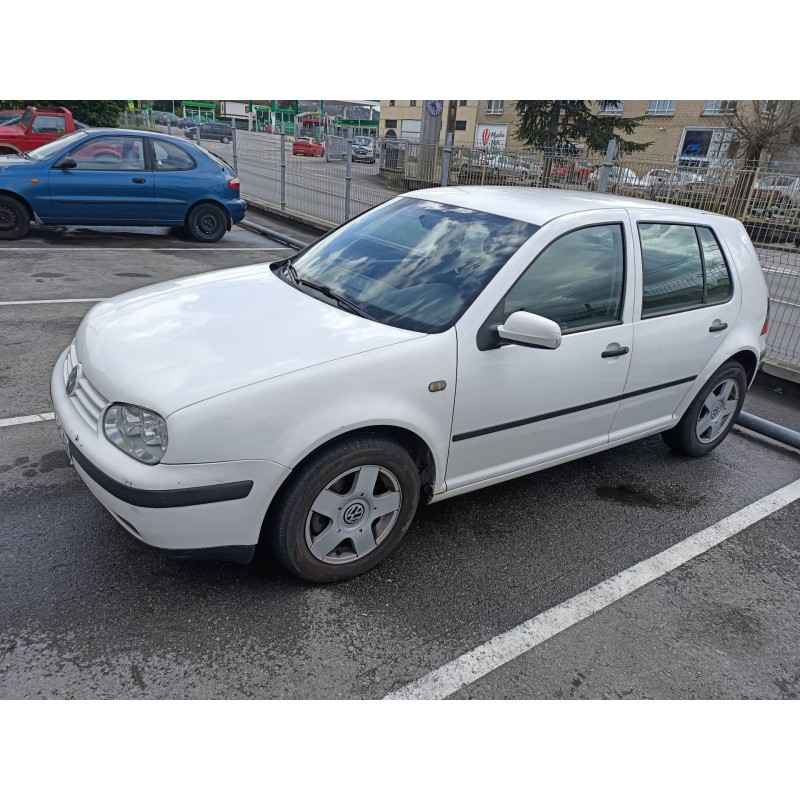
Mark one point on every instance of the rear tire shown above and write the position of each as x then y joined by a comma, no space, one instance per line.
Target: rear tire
344,510
207,223
15,221
711,415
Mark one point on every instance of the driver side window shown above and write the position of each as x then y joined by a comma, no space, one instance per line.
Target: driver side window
111,153
577,281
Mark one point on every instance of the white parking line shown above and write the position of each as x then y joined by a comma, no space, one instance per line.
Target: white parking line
45,302
9,421
503,648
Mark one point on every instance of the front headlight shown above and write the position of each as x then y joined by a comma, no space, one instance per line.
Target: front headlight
140,433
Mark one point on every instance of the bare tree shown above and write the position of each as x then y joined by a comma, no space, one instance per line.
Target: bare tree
761,124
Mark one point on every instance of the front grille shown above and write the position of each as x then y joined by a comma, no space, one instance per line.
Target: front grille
88,402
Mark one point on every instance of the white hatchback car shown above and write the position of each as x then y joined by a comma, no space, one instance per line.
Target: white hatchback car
439,343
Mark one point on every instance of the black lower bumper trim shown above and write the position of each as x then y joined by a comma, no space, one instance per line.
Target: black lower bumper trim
162,498
233,553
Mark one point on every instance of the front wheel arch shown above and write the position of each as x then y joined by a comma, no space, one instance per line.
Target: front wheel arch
20,199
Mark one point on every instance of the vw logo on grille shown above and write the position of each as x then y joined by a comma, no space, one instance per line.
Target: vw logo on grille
72,380
354,513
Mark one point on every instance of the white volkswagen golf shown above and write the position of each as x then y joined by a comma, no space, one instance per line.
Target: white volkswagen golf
439,343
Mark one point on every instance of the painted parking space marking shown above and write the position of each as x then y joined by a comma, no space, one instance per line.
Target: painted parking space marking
9,421
50,302
475,664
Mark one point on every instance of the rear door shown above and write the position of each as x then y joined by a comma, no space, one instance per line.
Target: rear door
112,184
686,307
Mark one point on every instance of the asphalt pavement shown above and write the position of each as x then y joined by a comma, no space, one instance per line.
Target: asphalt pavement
88,612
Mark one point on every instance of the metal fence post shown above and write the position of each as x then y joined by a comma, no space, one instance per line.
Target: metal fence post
235,152
607,164
348,175
283,166
446,153
197,133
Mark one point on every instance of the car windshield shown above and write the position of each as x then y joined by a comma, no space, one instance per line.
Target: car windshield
413,263
52,148
364,141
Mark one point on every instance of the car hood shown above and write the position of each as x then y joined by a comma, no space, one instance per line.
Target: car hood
12,161
174,344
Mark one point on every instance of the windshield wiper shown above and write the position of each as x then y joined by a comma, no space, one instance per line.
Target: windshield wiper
327,291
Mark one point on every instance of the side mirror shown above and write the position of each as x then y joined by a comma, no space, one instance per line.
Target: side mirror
522,327
67,163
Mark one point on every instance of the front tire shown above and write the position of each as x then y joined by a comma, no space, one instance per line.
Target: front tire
207,223
710,417
15,221
345,509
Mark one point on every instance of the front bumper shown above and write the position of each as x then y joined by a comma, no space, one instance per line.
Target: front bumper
213,509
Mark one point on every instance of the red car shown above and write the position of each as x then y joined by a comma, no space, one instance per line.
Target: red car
306,146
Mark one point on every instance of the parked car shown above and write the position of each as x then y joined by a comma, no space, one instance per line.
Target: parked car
364,149
217,131
119,177
187,122
166,118
777,189
490,167
572,171
36,126
439,343
617,177
306,146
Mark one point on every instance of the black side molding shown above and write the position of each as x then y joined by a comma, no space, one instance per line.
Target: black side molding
162,498
460,437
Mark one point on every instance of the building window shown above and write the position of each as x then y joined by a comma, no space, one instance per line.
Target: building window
719,107
462,102
494,106
391,102
390,123
461,124
612,109
768,108
660,108
413,102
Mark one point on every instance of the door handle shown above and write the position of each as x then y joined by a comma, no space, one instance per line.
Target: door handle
139,180
718,326
613,352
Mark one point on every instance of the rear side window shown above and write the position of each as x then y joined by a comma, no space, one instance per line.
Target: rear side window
683,268
169,157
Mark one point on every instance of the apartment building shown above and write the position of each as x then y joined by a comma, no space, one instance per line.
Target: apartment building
696,129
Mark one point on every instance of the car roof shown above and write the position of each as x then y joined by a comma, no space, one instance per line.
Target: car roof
538,206
131,132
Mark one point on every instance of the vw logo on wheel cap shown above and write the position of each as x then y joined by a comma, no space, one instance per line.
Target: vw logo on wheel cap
354,513
72,380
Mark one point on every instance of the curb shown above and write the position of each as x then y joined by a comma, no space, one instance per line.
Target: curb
780,369
294,216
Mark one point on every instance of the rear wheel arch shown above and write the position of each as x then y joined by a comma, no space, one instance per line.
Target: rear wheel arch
212,202
8,149
748,360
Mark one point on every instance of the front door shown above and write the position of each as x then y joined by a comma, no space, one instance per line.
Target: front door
112,184
518,407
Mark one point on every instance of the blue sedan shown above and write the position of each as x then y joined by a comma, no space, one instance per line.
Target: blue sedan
120,178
